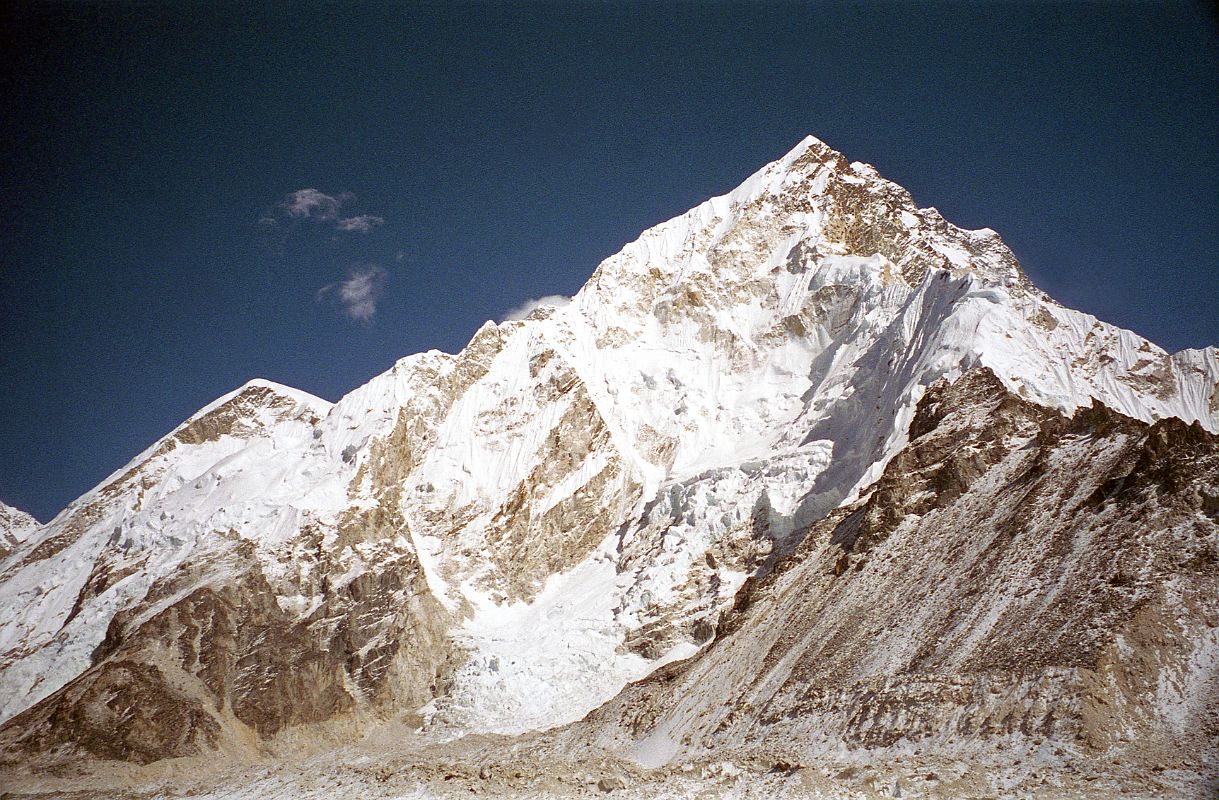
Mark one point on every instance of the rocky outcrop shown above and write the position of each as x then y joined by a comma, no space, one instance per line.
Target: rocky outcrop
211,660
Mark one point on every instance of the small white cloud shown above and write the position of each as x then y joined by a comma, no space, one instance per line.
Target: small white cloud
312,204
363,223
529,306
358,293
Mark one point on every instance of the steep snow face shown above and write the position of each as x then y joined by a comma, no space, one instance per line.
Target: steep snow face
721,383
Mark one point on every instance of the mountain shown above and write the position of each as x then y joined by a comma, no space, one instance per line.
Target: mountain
806,476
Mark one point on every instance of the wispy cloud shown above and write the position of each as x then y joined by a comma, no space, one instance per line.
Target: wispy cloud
322,208
358,293
529,306
363,223
312,204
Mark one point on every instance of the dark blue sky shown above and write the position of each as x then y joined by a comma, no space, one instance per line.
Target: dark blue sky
508,151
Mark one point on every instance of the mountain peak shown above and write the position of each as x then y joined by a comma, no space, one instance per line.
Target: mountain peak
809,143
266,390
810,203
10,515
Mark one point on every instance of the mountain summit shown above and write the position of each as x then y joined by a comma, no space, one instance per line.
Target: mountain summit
805,476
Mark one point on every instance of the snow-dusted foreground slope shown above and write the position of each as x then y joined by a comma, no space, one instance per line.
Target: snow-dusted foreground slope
499,541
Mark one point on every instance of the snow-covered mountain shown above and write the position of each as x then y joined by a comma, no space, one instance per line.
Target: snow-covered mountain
732,412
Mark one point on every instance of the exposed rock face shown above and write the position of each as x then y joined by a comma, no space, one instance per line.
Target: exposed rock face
202,665
827,467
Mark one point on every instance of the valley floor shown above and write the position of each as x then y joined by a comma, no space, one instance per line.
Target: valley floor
511,768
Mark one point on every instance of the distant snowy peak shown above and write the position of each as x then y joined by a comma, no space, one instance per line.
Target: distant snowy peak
13,520
15,527
246,411
265,392
177,500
